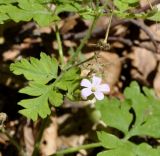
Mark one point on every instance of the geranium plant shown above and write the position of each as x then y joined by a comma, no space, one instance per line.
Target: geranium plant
51,80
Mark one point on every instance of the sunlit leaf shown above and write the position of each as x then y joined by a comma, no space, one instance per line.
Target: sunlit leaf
42,71
137,115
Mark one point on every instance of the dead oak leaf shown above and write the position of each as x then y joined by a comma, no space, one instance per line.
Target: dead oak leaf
143,60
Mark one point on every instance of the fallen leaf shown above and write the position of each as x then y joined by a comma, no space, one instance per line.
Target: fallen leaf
143,60
3,139
49,140
156,82
68,24
28,139
69,43
154,29
10,54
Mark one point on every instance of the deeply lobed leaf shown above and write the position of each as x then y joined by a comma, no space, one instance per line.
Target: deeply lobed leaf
44,84
147,111
130,149
34,107
144,121
25,10
39,106
120,119
41,71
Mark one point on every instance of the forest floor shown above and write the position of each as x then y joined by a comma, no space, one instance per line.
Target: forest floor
133,54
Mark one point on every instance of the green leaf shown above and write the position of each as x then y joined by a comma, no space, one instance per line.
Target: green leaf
67,80
125,8
121,5
124,5
27,10
155,16
34,89
70,82
109,140
3,17
129,149
130,2
37,11
120,119
148,128
144,121
73,86
39,106
67,7
87,13
139,102
151,13
7,1
145,106
42,71
147,111
15,13
126,149
146,150
34,107
125,15
44,1
39,72
55,98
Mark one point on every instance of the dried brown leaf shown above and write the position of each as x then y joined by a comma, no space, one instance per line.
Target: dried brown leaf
49,140
156,82
143,60
28,139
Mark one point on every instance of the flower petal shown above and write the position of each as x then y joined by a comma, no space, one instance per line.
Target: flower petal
104,88
86,83
85,93
96,81
99,95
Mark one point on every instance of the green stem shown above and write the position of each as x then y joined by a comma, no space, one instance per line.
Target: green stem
75,149
150,4
60,50
85,39
108,28
39,137
130,133
80,63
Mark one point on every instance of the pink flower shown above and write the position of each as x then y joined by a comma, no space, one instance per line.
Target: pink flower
95,88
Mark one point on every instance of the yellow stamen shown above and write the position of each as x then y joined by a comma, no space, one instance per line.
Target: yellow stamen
93,89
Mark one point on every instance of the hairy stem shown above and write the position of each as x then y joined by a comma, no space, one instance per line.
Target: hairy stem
75,149
108,29
60,50
150,4
80,63
85,39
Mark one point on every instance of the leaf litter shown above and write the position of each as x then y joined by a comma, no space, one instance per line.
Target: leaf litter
120,65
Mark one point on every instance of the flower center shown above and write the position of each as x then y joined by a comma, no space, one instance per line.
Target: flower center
93,89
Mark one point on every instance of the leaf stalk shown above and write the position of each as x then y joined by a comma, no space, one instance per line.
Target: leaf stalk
60,49
75,149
